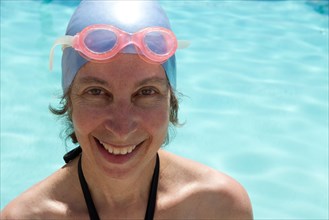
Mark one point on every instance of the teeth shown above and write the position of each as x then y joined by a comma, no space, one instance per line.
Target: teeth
124,151
118,151
130,150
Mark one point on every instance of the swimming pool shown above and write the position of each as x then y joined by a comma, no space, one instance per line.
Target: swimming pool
255,85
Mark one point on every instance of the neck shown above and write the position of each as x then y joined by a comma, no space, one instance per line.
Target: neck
119,191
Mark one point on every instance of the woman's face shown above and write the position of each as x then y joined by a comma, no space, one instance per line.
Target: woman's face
120,112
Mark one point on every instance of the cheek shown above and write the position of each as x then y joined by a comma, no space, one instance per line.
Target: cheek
84,118
157,121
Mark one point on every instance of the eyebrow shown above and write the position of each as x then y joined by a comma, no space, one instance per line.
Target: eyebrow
153,79
92,79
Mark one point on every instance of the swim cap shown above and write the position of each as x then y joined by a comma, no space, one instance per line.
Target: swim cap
129,16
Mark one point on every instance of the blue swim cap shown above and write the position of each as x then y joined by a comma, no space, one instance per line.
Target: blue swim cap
130,16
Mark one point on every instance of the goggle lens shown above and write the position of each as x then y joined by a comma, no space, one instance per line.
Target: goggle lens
157,43
100,41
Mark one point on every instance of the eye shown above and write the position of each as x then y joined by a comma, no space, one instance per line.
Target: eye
95,91
96,96
147,92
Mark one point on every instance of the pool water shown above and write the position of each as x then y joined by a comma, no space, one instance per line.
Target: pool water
255,103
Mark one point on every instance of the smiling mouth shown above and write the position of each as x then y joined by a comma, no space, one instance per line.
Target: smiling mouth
122,150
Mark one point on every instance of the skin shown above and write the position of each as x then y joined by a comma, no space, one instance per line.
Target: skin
126,102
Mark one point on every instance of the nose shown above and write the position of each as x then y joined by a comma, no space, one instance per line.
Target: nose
121,121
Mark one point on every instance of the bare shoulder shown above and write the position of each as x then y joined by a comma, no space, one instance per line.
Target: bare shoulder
208,192
46,199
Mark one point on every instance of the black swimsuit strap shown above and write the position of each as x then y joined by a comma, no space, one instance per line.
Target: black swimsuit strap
72,154
153,192
93,215
151,200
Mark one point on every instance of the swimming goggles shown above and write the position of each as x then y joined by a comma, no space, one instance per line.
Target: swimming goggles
100,43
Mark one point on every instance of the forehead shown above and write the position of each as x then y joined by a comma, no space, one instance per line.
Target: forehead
123,68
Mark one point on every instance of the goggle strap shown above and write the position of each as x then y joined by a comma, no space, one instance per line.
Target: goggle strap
182,44
66,41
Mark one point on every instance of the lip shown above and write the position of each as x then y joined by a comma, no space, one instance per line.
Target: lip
117,158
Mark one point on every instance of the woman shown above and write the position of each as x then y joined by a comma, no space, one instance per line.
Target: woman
119,78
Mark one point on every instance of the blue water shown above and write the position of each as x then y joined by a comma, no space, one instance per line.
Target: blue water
255,104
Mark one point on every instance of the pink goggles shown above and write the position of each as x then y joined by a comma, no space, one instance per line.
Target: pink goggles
102,42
